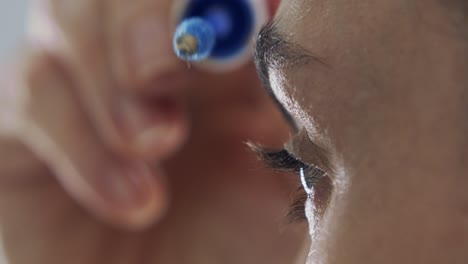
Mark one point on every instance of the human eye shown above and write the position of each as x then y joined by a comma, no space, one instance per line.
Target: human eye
309,175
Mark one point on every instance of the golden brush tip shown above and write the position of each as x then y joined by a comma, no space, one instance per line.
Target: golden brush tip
187,44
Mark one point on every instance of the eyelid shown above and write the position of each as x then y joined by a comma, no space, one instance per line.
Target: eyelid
299,152
309,151
283,160
311,177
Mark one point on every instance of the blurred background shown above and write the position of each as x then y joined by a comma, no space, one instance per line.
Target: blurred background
12,14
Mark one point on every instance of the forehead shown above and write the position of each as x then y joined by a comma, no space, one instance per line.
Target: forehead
305,20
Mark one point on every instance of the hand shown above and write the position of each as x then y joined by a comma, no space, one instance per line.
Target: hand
101,125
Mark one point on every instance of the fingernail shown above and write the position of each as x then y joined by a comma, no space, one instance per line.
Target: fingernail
150,46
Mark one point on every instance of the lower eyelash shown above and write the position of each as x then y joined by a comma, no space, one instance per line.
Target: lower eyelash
297,208
296,211
309,175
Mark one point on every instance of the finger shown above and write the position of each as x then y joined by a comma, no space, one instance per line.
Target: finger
116,189
16,161
142,59
132,126
140,38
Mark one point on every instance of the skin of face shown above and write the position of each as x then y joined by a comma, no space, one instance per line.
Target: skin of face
222,206
386,101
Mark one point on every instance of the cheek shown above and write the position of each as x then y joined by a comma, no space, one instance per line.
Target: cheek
317,204
313,221
311,217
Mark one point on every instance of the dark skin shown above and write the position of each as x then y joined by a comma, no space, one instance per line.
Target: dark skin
386,102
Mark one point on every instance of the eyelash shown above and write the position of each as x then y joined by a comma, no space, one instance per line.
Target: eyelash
282,160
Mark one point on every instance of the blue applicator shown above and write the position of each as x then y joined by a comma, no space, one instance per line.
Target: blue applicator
194,40
219,31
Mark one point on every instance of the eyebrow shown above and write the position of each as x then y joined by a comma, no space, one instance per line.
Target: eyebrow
273,48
